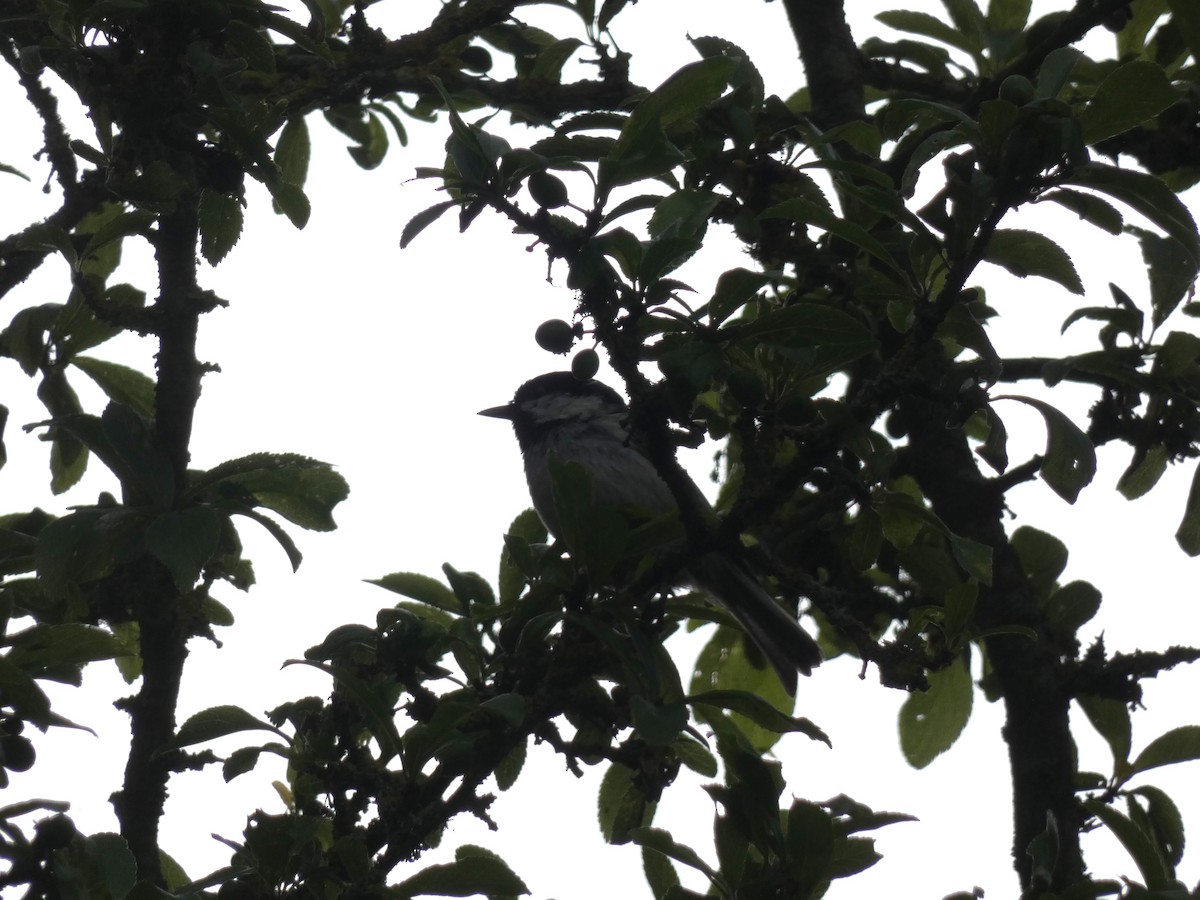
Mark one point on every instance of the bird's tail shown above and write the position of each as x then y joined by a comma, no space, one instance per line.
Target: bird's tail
786,645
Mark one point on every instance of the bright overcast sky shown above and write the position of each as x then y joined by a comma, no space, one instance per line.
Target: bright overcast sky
339,345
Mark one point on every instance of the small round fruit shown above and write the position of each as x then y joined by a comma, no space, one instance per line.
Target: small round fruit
54,833
476,59
586,364
1017,90
17,753
547,191
555,336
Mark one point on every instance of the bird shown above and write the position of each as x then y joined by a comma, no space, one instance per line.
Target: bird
586,422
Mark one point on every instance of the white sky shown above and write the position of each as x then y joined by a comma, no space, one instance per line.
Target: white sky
338,345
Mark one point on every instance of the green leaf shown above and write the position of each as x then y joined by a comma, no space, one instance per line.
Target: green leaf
733,665
1070,461
421,588
1150,862
1088,207
304,491
474,871
1145,193
806,212
380,716
1129,95
1188,534
657,725
1166,822
220,225
113,863
293,151
1072,606
927,26
216,722
517,560
184,541
1186,16
1007,15
23,695
1172,269
808,325
1177,745
290,200
660,874
759,711
931,721
1043,558
1110,718
423,220
68,644
622,807
662,841
1025,253
121,383
643,150
1143,474
370,153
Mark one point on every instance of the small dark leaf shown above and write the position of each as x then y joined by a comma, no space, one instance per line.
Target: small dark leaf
184,541
421,588
218,721
1180,744
220,225
1025,253
1132,93
1070,460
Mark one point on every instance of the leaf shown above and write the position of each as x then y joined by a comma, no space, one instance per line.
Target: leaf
474,871
421,588
293,151
1110,718
216,722
184,541
1145,193
931,721
114,864
642,150
1007,15
662,841
1165,821
759,711
1129,95
1143,474
423,220
621,806
1172,270
807,212
1186,16
220,225
657,725
121,383
1188,534
1070,461
1025,253
68,644
302,490
927,26
371,152
1180,744
1140,846
290,200
1088,207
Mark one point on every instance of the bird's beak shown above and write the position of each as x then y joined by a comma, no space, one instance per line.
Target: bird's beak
507,411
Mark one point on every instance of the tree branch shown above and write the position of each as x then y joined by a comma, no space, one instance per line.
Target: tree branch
832,64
